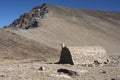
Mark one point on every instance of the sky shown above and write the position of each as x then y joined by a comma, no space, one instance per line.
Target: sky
12,9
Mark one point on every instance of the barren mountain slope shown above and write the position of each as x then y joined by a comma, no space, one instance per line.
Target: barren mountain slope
13,46
48,26
77,27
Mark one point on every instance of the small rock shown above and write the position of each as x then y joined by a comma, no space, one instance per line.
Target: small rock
1,75
66,71
113,79
41,68
83,71
104,72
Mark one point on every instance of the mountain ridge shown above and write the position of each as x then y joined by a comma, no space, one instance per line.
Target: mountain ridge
45,6
44,29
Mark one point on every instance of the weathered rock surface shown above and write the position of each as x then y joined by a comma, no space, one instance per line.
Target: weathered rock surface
31,19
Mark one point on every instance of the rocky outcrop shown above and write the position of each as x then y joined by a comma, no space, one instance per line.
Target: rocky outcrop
31,19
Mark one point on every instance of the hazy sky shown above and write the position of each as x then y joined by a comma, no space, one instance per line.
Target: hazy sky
12,9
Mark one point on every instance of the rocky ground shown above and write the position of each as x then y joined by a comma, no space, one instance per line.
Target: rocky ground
41,70
31,44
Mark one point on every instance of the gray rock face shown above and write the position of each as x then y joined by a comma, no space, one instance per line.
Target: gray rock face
32,18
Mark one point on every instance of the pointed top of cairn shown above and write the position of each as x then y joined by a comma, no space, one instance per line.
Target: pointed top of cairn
63,45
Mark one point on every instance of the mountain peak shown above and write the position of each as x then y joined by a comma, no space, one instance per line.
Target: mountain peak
32,18
40,7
